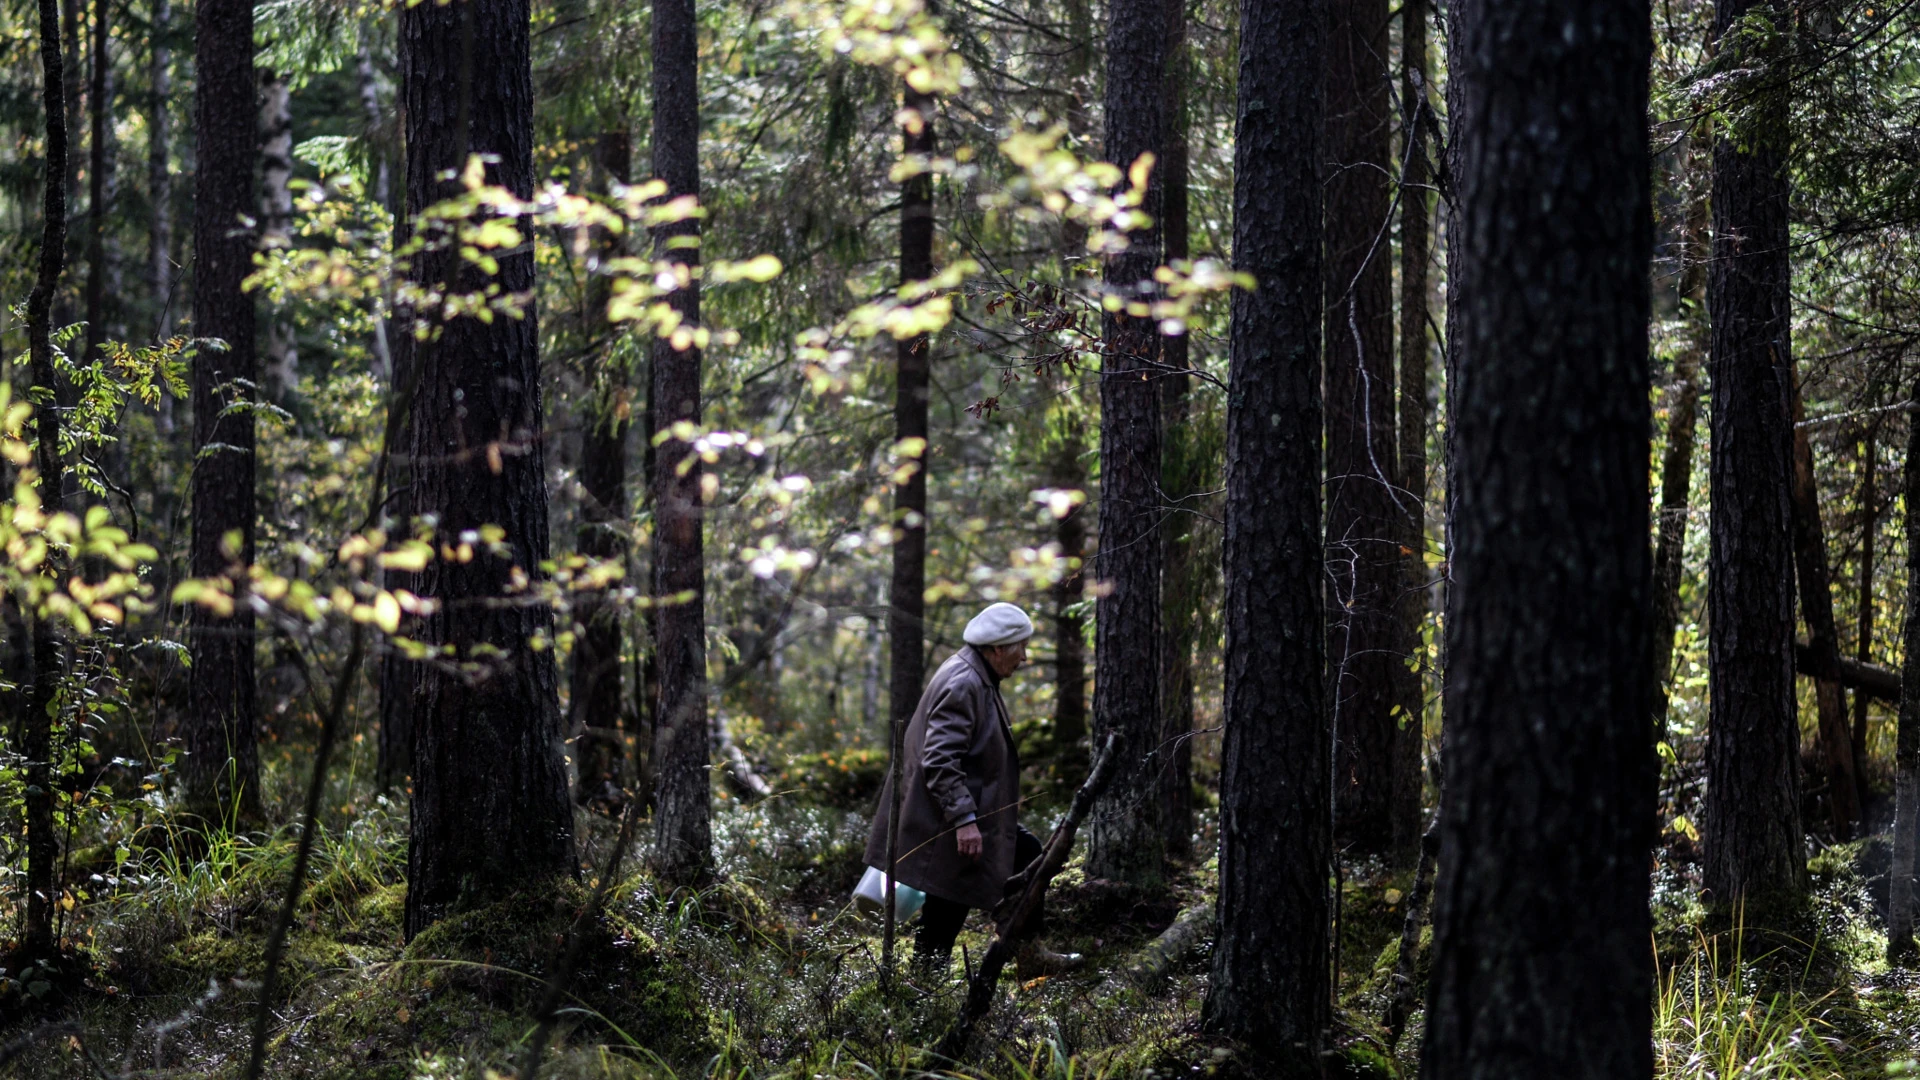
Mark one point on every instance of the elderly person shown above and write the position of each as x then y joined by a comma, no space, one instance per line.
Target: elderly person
960,838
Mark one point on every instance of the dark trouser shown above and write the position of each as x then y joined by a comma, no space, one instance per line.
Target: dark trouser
941,919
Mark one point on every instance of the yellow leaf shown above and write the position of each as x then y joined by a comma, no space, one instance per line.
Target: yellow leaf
386,612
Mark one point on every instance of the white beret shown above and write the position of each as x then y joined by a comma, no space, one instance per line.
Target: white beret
999,624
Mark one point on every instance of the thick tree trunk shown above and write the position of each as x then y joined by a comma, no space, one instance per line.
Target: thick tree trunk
276,219
683,845
1906,761
490,812
1270,986
99,176
160,173
1416,209
1755,850
1366,572
1816,607
1552,575
596,699
1183,478
221,768
1127,833
43,847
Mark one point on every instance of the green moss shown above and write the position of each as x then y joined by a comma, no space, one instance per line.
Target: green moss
469,986
848,779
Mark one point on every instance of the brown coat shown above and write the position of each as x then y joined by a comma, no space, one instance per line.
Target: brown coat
959,760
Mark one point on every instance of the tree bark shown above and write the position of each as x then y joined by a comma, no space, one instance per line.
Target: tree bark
1755,851
1416,209
1863,602
221,768
1548,634
598,715
1365,570
99,177
159,172
1816,607
1183,479
1270,984
490,812
906,616
683,845
37,938
1906,762
1676,462
276,219
1127,833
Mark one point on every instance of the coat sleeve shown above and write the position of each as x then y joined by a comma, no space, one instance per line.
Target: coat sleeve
943,754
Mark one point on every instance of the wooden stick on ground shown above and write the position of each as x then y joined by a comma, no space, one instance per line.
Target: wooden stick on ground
1025,889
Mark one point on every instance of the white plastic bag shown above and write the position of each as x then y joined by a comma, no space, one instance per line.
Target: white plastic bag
873,885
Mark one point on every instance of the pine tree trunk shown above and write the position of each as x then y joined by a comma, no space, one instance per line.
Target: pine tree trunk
1906,762
683,846
160,174
1270,982
1823,637
906,617
1676,462
276,219
1755,847
598,714
1863,601
490,812
99,177
1365,569
1548,634
43,846
1416,209
221,768
1127,832
1182,478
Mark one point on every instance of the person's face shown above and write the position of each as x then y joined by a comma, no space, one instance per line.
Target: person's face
1006,659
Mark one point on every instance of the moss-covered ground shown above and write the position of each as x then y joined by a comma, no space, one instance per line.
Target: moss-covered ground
768,973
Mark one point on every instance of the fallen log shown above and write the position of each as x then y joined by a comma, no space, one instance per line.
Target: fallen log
750,784
1870,679
1153,963
1011,916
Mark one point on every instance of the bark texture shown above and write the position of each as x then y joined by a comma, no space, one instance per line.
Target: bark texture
1755,851
490,811
1815,575
1551,776
683,843
1270,977
1183,569
1676,461
99,175
1127,831
221,767
1365,570
43,846
1906,761
906,617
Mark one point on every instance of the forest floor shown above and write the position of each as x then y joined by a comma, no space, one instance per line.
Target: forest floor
770,974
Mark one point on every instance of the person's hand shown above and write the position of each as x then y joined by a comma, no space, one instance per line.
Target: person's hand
968,838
